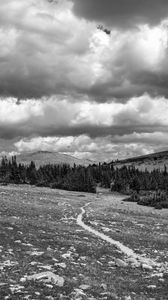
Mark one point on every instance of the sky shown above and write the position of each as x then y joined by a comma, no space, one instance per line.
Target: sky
68,86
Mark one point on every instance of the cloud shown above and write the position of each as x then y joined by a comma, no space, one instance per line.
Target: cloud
131,63
57,116
46,50
66,84
100,149
122,13
85,129
82,146
42,46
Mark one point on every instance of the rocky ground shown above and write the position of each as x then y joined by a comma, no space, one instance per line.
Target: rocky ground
45,254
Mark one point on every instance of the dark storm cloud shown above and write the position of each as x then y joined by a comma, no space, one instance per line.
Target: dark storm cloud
155,83
122,13
10,133
35,84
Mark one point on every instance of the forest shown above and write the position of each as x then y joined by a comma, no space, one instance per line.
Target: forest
147,188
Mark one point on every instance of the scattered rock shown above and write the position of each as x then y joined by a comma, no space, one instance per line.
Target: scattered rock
84,287
133,262
78,293
66,255
104,286
2,284
151,287
36,253
83,257
111,263
61,265
37,293
50,286
161,280
160,275
147,267
165,275
46,277
106,229
33,263
23,279
16,288
120,263
46,267
10,228
9,263
109,295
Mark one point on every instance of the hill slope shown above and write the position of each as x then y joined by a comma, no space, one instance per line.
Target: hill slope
150,161
45,157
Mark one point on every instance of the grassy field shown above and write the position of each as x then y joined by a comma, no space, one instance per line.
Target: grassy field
39,233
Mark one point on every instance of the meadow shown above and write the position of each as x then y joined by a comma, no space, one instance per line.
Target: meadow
39,234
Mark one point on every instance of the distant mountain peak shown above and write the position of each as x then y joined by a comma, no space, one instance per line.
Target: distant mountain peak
157,160
41,157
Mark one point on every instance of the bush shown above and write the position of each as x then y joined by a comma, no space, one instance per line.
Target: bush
42,184
55,185
158,206
157,199
164,204
3,183
133,198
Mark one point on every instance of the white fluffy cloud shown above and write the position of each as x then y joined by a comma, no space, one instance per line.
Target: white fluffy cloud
100,131
45,49
65,85
42,48
55,113
106,148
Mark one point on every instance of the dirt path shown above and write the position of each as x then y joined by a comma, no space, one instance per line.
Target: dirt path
126,250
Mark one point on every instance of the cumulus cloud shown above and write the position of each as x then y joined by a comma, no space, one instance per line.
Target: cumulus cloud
81,146
42,48
132,63
54,116
86,129
64,84
46,50
122,13
100,149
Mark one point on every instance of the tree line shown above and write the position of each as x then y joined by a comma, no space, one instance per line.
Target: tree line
63,176
80,178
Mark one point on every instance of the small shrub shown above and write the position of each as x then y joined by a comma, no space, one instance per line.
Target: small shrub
164,204
4,183
158,206
133,198
42,184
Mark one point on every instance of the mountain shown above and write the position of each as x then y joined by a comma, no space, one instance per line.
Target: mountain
150,161
45,157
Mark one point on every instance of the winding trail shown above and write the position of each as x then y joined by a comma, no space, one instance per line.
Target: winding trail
126,250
